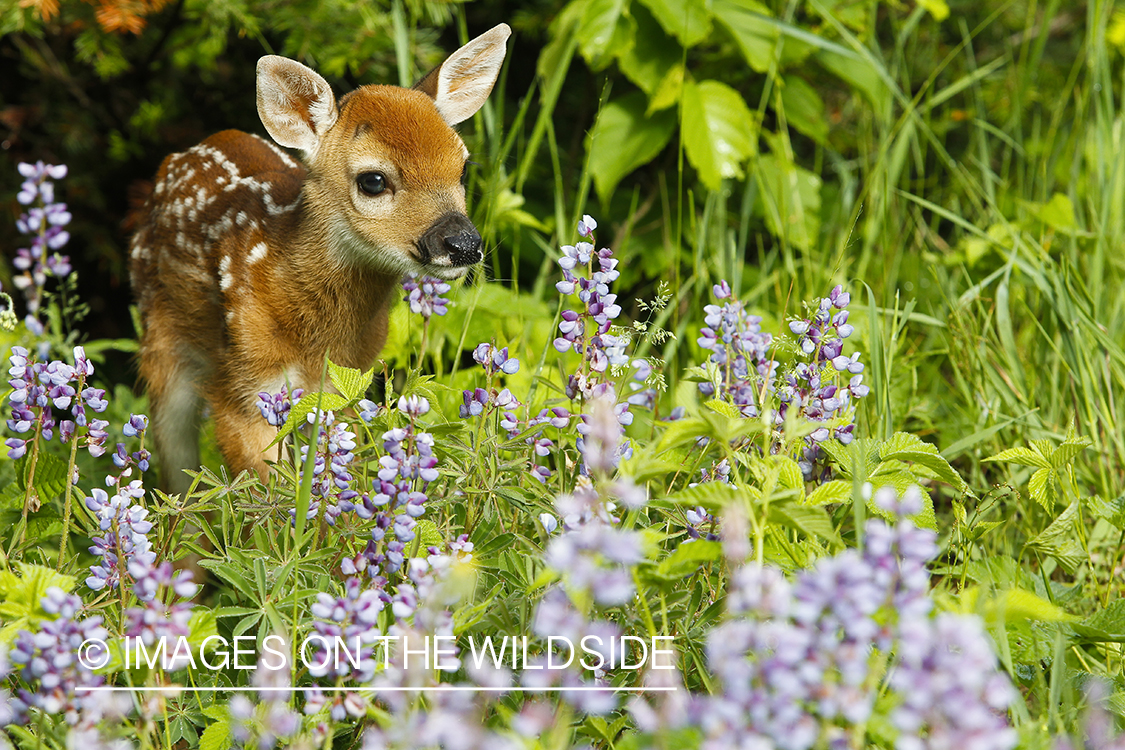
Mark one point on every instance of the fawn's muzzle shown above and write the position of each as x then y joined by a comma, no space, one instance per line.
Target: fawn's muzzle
452,240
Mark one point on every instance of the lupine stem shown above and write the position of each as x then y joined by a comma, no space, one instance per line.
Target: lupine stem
66,501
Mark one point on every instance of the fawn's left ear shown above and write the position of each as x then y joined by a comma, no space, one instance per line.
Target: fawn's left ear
460,86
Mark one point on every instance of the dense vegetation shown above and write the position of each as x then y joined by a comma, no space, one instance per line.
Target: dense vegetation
840,246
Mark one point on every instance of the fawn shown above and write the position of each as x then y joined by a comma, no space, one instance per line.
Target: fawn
248,267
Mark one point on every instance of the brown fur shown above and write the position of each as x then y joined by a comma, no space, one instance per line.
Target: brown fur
249,267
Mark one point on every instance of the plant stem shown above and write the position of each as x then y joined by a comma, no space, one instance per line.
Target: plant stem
66,501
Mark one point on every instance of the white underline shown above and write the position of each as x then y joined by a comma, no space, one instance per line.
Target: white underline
436,689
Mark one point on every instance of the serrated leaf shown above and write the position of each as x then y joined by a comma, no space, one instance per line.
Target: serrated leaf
722,407
720,132
903,446
1060,540
625,138
21,597
351,383
1021,456
1104,626
1042,487
711,496
1066,452
428,532
809,520
217,736
835,491
50,475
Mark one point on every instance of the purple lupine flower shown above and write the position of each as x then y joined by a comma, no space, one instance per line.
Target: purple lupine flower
44,222
46,661
125,540
794,657
275,407
38,388
331,473
352,617
424,296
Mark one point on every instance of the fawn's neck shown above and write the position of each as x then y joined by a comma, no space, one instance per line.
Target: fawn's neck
342,302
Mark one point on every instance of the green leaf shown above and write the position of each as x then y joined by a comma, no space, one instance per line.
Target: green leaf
755,37
687,20
809,520
625,138
804,109
1067,450
648,60
720,133
428,532
1042,487
722,407
835,491
1058,213
596,30
1060,540
21,597
1021,456
50,475
688,558
217,736
861,75
1106,625
903,446
351,383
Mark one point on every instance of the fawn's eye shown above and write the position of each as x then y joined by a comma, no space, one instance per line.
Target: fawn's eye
371,183
465,171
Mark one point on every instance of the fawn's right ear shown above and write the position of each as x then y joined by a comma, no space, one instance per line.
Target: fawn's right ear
296,105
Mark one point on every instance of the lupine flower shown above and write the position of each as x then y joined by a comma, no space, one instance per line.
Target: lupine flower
38,388
275,406
45,223
424,296
587,332
332,478
794,658
155,621
352,618
125,540
47,662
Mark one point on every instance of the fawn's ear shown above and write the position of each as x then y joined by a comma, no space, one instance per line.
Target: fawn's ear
462,83
296,105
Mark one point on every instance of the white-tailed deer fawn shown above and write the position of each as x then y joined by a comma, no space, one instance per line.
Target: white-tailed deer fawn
248,266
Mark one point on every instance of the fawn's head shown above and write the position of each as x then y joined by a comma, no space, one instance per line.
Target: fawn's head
385,167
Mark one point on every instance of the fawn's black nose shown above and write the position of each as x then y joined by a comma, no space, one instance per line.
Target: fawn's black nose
451,237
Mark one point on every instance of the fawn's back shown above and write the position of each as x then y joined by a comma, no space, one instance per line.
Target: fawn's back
249,266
